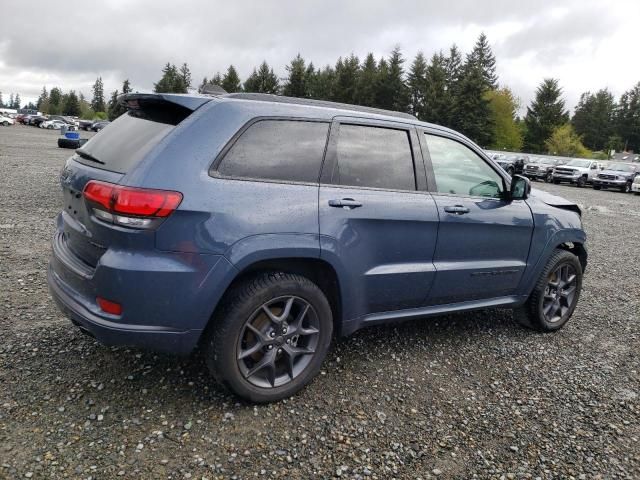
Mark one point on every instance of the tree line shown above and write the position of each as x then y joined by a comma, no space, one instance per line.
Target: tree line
453,89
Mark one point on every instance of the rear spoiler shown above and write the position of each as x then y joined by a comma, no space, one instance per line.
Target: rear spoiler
190,102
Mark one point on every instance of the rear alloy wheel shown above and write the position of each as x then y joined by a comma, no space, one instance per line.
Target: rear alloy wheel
5,123
555,295
270,336
582,181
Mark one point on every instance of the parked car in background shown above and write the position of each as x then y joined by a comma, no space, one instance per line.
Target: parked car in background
55,124
85,124
541,168
617,175
512,164
635,186
5,120
97,126
36,120
578,172
159,243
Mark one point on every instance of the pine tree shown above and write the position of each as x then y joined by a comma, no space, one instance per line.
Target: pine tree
417,82
16,102
183,82
346,79
231,80
628,119
71,104
296,83
391,91
113,109
436,105
43,100
482,57
10,104
97,103
172,81
594,118
126,86
472,114
1,102
262,80
321,84
545,114
366,88
55,101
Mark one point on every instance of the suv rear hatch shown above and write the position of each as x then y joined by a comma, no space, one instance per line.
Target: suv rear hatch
88,226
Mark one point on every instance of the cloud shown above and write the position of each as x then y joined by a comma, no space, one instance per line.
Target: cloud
118,39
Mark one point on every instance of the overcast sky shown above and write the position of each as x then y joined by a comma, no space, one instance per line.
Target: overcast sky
586,44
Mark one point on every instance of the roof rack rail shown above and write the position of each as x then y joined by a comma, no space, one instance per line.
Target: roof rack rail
266,97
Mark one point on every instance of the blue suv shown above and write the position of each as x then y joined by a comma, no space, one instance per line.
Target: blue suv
258,227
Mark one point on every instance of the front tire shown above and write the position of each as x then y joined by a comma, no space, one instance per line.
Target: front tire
626,188
555,296
582,181
270,336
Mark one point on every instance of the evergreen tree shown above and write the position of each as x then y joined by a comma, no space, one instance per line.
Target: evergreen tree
10,104
172,80
366,87
482,57
545,114
321,84
508,134
262,80
472,114
594,118
43,100
391,91
346,79
215,80
628,119
126,86
113,109
97,103
71,105
183,82
16,101
296,83
417,83
231,81
55,101
1,102
85,108
436,106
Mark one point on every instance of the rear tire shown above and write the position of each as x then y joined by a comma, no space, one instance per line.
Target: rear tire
582,181
278,320
550,307
597,187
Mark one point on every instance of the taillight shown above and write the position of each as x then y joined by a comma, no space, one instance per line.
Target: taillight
108,306
129,206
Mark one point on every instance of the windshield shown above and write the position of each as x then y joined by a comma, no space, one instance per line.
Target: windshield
579,163
621,167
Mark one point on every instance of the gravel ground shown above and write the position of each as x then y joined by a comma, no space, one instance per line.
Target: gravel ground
467,396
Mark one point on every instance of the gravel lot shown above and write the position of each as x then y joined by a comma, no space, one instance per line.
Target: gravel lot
468,396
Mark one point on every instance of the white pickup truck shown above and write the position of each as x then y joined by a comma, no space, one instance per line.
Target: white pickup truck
577,171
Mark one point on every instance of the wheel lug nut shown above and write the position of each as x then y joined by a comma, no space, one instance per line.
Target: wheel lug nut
279,350
288,340
272,334
270,347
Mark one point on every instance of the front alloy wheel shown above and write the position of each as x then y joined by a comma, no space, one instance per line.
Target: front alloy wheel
560,293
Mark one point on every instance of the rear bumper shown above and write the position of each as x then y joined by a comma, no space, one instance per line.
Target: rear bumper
167,298
109,332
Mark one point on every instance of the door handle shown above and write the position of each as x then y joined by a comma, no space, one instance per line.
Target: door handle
348,203
457,209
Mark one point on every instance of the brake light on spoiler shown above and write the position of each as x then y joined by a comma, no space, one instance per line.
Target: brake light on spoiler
129,206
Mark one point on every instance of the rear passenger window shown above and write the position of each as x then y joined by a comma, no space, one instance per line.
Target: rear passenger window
374,157
288,150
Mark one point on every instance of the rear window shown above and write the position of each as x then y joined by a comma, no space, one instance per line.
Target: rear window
289,150
374,157
124,142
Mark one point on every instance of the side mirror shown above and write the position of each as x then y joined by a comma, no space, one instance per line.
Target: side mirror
520,188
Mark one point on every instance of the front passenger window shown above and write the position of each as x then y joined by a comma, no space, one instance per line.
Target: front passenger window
460,171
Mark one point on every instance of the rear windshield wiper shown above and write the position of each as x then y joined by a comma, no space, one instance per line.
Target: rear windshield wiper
88,156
